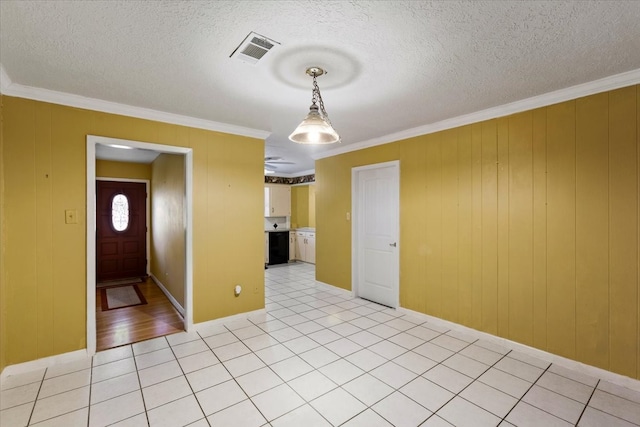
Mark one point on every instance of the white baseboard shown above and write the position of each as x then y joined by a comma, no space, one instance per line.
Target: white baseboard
332,288
228,319
45,362
164,290
573,365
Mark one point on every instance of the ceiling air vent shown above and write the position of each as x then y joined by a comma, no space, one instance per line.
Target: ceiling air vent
253,48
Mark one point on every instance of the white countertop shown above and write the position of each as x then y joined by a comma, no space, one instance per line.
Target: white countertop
307,229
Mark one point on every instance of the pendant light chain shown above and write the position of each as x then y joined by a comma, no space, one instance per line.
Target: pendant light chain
317,98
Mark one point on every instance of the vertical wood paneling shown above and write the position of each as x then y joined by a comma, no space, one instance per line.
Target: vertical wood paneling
503,227
413,256
450,225
520,232
44,229
465,230
197,142
539,147
489,227
623,237
433,217
592,229
476,226
217,169
68,136
561,238
20,215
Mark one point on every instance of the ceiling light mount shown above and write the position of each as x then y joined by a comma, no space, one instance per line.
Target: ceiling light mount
315,71
316,128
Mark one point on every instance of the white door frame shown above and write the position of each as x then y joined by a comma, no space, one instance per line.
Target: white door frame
357,217
92,140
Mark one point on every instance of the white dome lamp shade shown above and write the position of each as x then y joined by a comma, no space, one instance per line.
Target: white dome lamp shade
316,127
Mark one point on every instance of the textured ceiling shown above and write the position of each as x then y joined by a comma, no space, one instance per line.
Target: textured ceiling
393,65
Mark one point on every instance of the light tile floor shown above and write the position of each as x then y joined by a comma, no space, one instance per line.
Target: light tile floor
316,358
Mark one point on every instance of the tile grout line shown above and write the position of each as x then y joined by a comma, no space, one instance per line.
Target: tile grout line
33,409
90,390
382,339
135,363
504,419
338,386
232,377
184,375
299,376
587,403
434,413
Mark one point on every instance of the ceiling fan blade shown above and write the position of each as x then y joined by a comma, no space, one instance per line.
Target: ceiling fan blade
279,163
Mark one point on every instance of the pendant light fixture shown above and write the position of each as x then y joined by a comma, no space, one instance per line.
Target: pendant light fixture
316,127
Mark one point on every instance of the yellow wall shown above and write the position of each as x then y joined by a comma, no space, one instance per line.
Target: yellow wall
167,217
299,206
312,205
127,170
44,260
303,206
525,226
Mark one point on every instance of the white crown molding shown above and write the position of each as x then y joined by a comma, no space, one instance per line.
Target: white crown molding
55,97
578,91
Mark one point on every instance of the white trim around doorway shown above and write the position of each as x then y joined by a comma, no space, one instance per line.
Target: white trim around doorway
92,140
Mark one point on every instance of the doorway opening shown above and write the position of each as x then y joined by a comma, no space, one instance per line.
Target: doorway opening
145,289
375,232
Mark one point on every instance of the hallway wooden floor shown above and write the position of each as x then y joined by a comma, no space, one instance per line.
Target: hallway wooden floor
133,324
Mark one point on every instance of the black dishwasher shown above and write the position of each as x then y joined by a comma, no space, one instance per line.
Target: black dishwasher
278,247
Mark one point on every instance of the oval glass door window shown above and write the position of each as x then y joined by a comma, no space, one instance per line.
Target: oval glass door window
120,212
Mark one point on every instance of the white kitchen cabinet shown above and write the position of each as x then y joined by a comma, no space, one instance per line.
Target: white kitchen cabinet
277,200
292,245
310,248
306,246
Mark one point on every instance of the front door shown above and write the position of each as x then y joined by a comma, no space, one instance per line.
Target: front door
121,230
376,233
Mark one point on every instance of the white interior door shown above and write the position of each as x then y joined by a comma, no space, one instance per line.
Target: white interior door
376,229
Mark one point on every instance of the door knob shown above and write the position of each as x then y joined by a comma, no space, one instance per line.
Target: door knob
392,244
